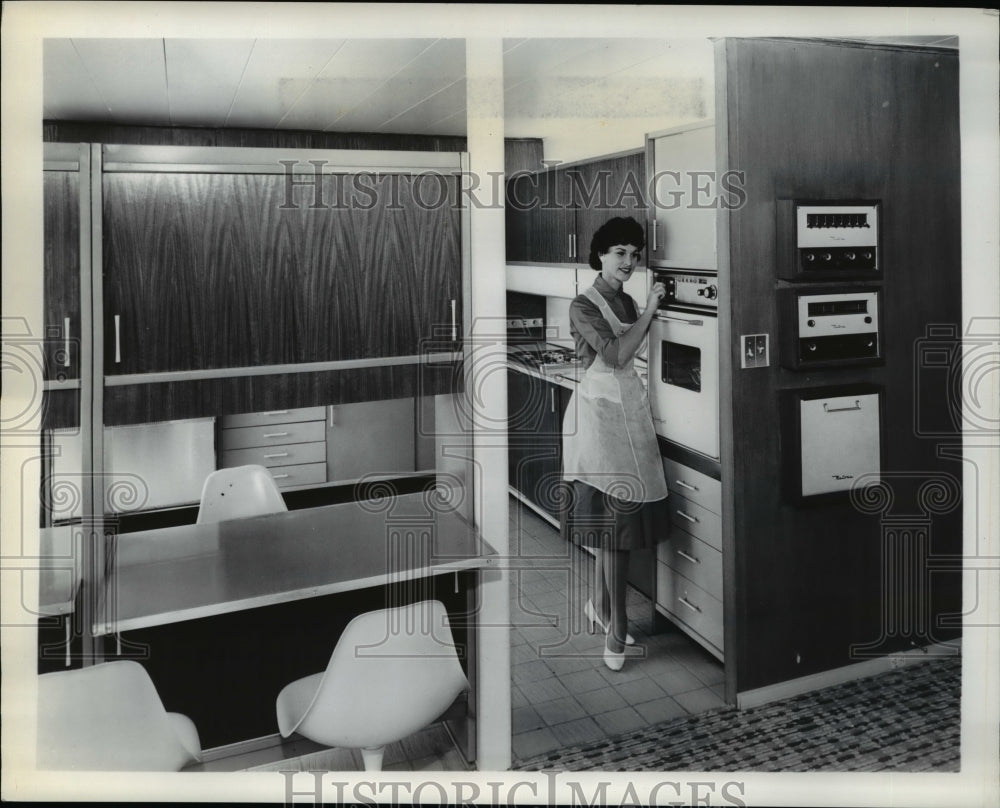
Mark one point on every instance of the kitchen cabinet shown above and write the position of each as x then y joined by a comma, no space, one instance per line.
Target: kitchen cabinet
206,270
536,408
683,197
552,215
315,445
370,438
689,584
63,225
290,444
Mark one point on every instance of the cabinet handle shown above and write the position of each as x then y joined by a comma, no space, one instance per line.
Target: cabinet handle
276,434
118,342
66,341
277,412
690,558
569,245
332,421
279,476
655,248
688,486
691,519
689,604
454,327
552,399
828,408
276,454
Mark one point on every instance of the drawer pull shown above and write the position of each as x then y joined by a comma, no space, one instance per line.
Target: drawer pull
277,412
66,341
691,519
276,434
118,339
688,486
690,558
689,604
275,454
279,476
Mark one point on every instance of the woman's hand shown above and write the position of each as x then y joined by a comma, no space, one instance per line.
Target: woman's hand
656,294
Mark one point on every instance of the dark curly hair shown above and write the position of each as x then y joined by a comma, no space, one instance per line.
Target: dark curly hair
620,230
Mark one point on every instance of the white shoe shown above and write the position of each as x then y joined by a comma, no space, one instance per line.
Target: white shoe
614,661
591,614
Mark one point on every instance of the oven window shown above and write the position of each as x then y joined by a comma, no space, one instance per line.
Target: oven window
681,366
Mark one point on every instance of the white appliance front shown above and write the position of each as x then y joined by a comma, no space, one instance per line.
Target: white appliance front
684,379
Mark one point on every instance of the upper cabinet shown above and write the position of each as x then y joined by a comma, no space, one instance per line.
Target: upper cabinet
683,197
552,215
62,184
223,263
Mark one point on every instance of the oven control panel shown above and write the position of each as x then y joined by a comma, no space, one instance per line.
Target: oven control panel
688,291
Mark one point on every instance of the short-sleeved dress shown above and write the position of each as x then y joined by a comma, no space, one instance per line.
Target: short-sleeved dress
610,452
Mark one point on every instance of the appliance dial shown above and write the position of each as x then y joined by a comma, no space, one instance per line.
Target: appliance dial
711,292
849,256
826,256
810,323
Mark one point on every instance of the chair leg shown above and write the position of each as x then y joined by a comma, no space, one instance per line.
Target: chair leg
373,759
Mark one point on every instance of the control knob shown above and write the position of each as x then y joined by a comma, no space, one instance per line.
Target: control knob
826,256
711,292
849,256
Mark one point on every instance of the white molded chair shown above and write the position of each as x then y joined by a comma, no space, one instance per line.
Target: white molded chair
392,672
239,492
109,717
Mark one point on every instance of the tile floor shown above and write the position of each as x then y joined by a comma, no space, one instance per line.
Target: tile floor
562,693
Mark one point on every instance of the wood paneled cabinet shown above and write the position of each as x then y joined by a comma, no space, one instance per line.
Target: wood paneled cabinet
211,269
552,215
535,414
62,183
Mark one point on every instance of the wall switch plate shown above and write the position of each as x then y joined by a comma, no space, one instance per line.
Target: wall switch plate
754,351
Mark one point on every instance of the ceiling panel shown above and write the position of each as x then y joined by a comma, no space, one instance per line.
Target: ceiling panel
278,75
436,68
131,75
68,92
353,74
426,115
203,77
535,57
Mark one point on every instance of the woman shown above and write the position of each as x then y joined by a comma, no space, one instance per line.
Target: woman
610,451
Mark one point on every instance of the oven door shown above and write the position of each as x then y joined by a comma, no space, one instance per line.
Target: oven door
684,379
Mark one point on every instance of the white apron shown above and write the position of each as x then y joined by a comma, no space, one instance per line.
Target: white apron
608,438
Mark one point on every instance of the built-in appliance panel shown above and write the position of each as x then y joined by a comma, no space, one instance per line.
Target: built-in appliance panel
693,486
289,454
694,519
828,239
697,561
834,327
835,441
691,607
275,434
684,379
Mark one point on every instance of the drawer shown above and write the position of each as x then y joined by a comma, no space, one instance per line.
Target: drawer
274,417
693,485
273,435
306,474
689,604
691,518
695,560
289,454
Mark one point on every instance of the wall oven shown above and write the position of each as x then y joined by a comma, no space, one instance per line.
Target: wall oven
684,361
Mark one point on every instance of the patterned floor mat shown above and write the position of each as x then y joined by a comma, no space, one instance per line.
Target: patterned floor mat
906,720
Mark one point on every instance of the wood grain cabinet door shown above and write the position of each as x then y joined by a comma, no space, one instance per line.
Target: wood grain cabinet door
604,189
212,270
61,262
